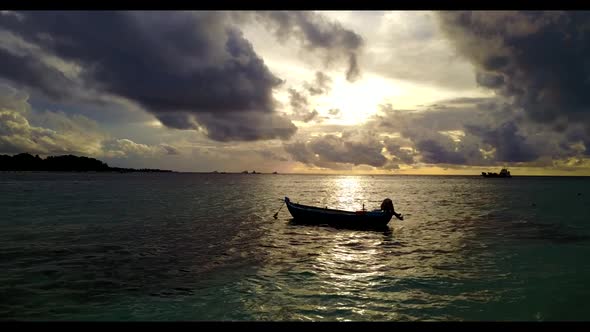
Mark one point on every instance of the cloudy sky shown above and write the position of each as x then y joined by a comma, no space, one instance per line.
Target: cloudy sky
304,92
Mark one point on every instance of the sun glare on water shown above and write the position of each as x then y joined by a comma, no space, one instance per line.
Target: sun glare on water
348,190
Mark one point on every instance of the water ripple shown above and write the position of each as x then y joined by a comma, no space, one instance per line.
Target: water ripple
205,247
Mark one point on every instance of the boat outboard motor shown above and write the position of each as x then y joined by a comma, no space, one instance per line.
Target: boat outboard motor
387,205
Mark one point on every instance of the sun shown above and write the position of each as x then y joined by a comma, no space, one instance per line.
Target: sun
357,101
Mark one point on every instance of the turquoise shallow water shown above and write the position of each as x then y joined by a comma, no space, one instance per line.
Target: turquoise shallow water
205,247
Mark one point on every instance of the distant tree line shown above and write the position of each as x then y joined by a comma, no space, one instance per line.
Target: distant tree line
65,163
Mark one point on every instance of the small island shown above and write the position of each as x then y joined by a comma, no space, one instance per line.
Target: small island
253,172
64,163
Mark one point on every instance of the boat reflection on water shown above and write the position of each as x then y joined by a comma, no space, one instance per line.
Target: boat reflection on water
385,229
329,273
424,268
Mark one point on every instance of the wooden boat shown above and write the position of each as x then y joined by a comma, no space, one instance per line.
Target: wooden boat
355,219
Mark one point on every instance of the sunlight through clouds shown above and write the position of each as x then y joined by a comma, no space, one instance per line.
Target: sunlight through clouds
429,91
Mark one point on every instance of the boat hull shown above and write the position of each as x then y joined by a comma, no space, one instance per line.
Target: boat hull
362,219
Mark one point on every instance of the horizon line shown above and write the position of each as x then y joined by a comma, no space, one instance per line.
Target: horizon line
368,174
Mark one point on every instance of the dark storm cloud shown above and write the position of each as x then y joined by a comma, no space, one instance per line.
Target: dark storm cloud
297,100
335,149
486,124
11,13
245,126
300,152
489,80
540,59
509,144
461,131
178,120
26,70
395,147
422,139
331,149
271,155
321,85
445,115
310,116
578,134
300,106
435,147
183,67
433,152
317,33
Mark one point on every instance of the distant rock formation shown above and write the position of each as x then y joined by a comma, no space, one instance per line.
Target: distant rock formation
64,163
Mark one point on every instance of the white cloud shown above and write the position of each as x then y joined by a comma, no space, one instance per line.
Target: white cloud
60,133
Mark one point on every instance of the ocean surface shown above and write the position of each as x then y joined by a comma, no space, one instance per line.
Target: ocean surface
206,247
